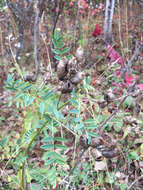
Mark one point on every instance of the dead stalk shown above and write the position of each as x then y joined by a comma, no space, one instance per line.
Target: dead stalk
119,27
47,50
127,25
1,40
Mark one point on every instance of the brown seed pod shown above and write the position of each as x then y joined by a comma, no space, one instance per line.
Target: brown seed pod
72,63
66,88
109,96
110,153
77,78
30,78
62,69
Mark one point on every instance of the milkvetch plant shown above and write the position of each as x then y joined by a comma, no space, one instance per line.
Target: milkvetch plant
42,118
40,114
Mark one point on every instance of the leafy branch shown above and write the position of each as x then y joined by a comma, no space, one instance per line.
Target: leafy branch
59,46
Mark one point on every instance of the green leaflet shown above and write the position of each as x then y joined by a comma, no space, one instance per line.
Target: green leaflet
42,107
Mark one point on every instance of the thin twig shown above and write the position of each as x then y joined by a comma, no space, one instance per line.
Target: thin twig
84,181
119,27
55,18
136,180
1,39
75,165
15,62
136,53
17,14
78,27
15,10
61,6
35,42
47,49
20,41
139,47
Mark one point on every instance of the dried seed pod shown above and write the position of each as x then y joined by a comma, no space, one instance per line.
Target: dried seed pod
30,78
109,96
66,88
111,108
72,63
79,53
77,78
62,69
136,93
97,155
102,103
130,120
110,153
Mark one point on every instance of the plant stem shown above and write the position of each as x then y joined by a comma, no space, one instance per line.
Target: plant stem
29,145
63,105
26,153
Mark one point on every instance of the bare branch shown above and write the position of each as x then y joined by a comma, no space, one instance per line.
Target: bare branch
139,47
76,163
16,10
61,6
136,180
100,127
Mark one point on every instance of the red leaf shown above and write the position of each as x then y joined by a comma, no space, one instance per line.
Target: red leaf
140,86
57,10
117,73
97,31
130,79
84,4
94,12
71,4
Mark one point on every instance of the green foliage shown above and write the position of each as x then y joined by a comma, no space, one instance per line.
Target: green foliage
133,155
40,111
42,115
45,124
3,142
59,46
42,121
2,4
129,102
